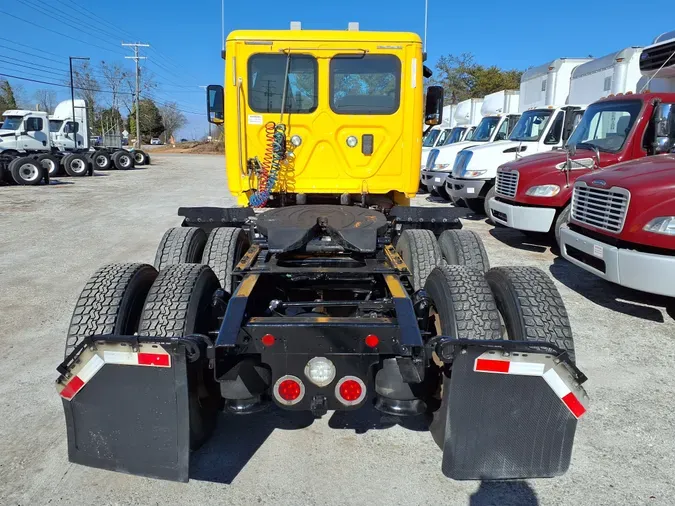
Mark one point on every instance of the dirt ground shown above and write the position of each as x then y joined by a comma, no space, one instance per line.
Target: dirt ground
53,238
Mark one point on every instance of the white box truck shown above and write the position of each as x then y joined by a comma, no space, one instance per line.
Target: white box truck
499,111
547,120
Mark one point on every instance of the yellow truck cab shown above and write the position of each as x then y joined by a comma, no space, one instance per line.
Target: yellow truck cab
350,113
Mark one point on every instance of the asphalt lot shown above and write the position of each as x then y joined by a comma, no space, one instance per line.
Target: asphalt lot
53,238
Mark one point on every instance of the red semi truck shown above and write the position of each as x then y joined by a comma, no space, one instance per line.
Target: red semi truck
533,194
622,224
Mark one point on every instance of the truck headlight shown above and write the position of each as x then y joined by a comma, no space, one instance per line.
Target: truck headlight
441,166
547,190
663,225
461,162
473,173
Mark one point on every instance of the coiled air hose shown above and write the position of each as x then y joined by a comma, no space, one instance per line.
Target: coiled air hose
275,152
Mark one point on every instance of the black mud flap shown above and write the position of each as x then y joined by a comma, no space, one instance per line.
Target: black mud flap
509,416
128,411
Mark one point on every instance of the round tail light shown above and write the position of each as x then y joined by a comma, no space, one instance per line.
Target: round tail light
350,390
289,390
372,340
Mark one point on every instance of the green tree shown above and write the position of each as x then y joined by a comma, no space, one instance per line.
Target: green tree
7,99
151,121
463,78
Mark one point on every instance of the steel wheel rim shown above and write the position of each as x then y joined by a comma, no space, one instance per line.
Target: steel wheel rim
49,165
101,161
125,161
29,172
138,157
77,166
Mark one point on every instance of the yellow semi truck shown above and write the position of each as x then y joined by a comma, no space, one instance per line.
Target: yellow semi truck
338,296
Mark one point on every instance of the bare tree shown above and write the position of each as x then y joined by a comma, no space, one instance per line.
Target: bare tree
46,99
172,119
115,78
147,83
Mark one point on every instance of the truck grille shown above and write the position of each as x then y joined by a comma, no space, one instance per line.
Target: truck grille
507,183
656,57
603,209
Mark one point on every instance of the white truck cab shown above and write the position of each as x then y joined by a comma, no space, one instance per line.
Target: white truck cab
24,131
500,114
65,134
545,124
466,116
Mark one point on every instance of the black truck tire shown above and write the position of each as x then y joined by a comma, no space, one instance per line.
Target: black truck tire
562,218
140,157
486,203
464,247
26,171
476,205
466,309
50,163
101,159
223,250
123,160
420,253
111,302
178,305
180,245
531,306
76,165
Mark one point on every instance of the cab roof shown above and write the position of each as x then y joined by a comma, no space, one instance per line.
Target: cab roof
323,36
668,97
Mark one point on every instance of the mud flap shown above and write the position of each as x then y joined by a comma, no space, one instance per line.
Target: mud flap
509,416
127,410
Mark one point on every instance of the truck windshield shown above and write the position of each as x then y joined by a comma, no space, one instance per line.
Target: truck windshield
445,133
430,138
455,135
606,125
11,122
531,125
485,129
55,125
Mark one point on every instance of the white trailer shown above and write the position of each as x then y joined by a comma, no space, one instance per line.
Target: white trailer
618,72
499,113
548,118
658,72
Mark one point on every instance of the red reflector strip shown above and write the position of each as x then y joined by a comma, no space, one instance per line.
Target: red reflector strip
72,387
154,359
488,365
574,405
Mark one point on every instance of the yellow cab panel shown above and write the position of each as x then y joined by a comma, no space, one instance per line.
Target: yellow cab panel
352,110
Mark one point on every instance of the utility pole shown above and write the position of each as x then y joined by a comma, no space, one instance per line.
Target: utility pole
136,57
72,87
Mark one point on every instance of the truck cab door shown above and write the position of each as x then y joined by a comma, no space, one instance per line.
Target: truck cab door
35,134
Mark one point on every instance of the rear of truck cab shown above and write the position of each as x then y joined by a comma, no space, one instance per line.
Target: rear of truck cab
347,139
622,226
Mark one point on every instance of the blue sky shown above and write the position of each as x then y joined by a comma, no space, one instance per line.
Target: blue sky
185,36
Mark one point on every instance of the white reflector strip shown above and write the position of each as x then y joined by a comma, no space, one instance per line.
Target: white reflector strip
557,384
120,357
91,368
525,369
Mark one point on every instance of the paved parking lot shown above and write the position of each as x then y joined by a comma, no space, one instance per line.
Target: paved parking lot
53,238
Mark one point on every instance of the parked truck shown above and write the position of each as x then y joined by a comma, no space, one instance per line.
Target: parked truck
499,115
622,219
541,127
466,116
316,304
533,194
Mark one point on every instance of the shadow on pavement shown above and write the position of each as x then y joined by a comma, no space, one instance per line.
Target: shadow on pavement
368,418
59,182
504,493
518,240
614,297
237,438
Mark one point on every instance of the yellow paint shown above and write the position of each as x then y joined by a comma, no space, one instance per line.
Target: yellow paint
395,286
246,286
323,163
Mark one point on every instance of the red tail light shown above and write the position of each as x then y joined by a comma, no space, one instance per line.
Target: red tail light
372,341
350,390
289,390
268,340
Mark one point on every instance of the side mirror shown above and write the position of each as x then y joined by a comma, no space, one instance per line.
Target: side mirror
665,128
215,103
501,136
433,109
71,128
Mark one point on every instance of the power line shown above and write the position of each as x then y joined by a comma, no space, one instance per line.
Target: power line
63,85
32,23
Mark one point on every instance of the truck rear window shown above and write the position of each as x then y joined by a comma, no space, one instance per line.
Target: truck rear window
266,83
365,84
